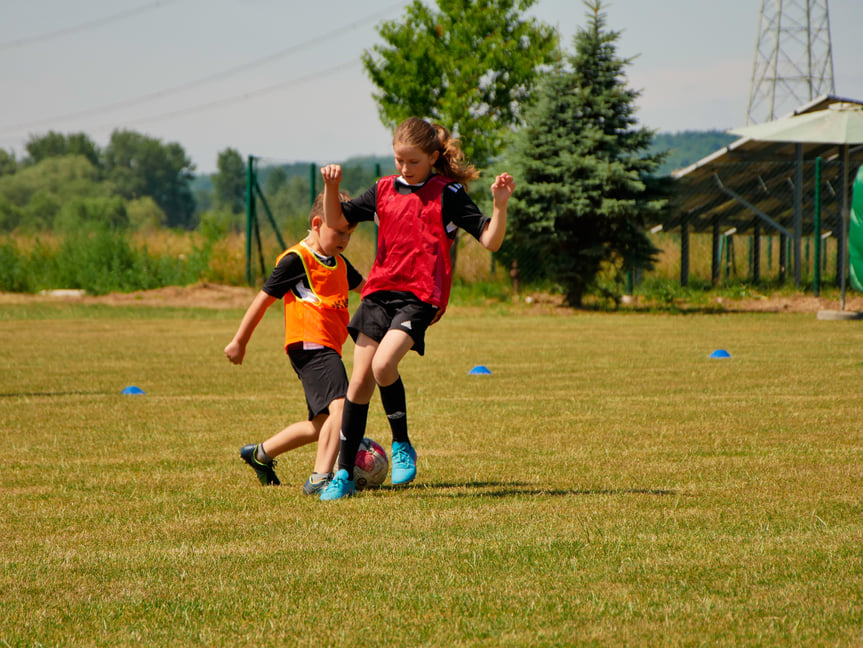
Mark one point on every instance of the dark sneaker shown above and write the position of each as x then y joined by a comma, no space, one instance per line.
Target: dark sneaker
311,486
265,472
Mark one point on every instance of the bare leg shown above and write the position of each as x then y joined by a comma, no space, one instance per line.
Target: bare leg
362,383
385,363
328,439
294,436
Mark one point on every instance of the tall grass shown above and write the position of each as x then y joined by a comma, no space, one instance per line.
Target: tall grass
105,261
99,262
607,484
736,266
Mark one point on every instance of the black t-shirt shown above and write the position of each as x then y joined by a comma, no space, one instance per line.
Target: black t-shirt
290,273
457,208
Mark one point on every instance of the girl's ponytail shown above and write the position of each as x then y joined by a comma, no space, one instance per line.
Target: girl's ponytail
452,162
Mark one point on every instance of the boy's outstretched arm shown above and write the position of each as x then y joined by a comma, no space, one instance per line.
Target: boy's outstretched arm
501,190
333,215
236,349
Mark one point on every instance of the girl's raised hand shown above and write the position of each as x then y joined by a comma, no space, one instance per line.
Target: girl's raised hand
502,188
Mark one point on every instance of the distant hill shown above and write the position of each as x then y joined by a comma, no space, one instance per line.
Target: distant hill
359,173
684,148
687,147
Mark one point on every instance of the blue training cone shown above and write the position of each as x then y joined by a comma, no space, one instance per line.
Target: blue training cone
720,353
479,370
132,390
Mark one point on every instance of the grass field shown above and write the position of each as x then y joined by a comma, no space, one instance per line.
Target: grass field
609,484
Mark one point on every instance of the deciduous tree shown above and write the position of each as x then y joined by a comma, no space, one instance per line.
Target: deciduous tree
470,66
139,165
229,183
8,163
53,144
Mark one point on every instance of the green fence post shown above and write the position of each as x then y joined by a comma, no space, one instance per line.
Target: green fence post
816,280
311,183
269,214
250,215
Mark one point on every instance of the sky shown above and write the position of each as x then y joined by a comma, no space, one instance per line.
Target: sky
282,80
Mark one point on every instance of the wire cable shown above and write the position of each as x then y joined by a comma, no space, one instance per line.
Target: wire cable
242,97
21,42
205,80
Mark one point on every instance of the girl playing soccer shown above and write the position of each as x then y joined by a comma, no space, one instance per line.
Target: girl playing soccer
408,287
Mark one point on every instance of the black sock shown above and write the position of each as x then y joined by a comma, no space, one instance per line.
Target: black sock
354,418
393,400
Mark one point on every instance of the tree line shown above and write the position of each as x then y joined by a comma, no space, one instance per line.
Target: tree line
67,182
65,178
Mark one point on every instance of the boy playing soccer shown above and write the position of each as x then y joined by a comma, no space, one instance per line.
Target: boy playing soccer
313,278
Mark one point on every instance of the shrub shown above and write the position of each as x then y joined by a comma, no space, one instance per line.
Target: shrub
99,262
90,213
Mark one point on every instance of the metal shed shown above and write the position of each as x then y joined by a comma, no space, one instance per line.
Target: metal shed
760,188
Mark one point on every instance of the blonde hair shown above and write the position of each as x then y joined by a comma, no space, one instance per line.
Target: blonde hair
430,137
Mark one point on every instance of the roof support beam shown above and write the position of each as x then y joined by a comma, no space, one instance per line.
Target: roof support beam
751,207
798,210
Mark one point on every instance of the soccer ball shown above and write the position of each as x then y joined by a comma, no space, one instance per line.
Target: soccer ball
371,465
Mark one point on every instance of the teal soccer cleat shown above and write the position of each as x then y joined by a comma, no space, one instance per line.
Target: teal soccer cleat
339,487
404,459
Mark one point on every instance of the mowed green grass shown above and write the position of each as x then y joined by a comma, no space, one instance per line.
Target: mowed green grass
609,484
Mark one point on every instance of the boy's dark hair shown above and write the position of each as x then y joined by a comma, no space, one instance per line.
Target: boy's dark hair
318,205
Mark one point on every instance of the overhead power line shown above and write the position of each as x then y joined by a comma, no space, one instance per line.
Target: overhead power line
21,42
207,79
242,97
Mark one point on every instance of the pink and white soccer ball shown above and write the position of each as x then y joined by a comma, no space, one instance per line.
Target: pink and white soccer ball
371,466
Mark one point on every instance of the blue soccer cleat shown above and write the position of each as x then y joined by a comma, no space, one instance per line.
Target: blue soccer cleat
404,459
339,487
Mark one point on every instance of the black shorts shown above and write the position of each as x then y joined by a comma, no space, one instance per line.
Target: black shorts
385,310
323,375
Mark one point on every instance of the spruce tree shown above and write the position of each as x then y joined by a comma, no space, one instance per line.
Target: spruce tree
585,190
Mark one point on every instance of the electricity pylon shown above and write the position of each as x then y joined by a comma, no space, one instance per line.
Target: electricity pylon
793,58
